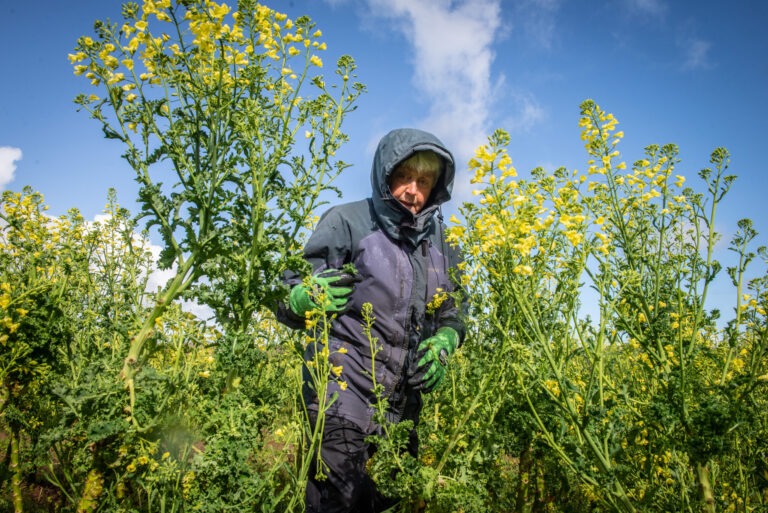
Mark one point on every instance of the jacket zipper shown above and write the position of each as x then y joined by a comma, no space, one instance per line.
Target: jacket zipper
406,331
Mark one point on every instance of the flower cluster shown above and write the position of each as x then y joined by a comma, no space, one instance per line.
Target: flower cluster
644,245
193,45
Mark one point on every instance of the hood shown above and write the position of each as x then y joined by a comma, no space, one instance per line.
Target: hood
396,220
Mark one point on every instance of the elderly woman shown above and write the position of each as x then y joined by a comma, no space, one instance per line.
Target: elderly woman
395,242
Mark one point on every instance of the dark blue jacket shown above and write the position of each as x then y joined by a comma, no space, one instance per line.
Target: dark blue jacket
403,260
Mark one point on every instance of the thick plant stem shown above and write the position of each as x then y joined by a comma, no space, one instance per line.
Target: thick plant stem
706,488
172,291
18,502
5,395
525,470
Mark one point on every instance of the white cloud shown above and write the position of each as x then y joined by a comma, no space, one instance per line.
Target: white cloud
527,112
654,8
536,19
158,278
524,113
452,44
8,157
695,53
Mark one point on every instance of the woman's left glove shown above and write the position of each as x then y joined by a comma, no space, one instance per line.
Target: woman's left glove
434,353
331,287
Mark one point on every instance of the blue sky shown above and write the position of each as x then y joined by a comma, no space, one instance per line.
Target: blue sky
694,73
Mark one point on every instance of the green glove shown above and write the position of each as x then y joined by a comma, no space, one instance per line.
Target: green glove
332,287
435,352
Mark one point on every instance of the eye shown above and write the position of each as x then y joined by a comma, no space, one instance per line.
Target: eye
401,176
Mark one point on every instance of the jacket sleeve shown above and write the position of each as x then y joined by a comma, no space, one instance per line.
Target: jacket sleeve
329,247
454,310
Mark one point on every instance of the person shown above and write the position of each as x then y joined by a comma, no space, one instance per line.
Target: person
402,265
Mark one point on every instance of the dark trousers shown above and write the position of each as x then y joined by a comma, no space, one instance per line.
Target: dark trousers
347,487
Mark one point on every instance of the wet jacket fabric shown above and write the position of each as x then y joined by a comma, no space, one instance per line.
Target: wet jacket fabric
404,262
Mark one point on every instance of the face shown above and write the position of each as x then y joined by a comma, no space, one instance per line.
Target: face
410,188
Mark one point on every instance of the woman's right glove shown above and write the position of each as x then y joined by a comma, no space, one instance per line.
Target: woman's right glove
434,353
327,290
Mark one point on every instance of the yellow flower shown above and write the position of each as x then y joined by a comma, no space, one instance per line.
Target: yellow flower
552,386
317,61
437,299
574,237
336,369
77,57
219,11
524,270
111,62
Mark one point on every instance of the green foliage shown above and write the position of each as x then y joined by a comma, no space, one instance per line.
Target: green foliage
209,104
124,401
116,398
644,407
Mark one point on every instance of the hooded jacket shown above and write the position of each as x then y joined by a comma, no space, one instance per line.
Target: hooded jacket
404,263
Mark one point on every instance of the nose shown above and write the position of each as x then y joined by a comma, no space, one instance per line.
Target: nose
411,187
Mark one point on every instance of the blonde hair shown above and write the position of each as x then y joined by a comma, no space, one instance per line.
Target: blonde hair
427,164
424,163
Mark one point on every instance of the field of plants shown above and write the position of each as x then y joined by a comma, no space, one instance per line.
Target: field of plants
594,376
